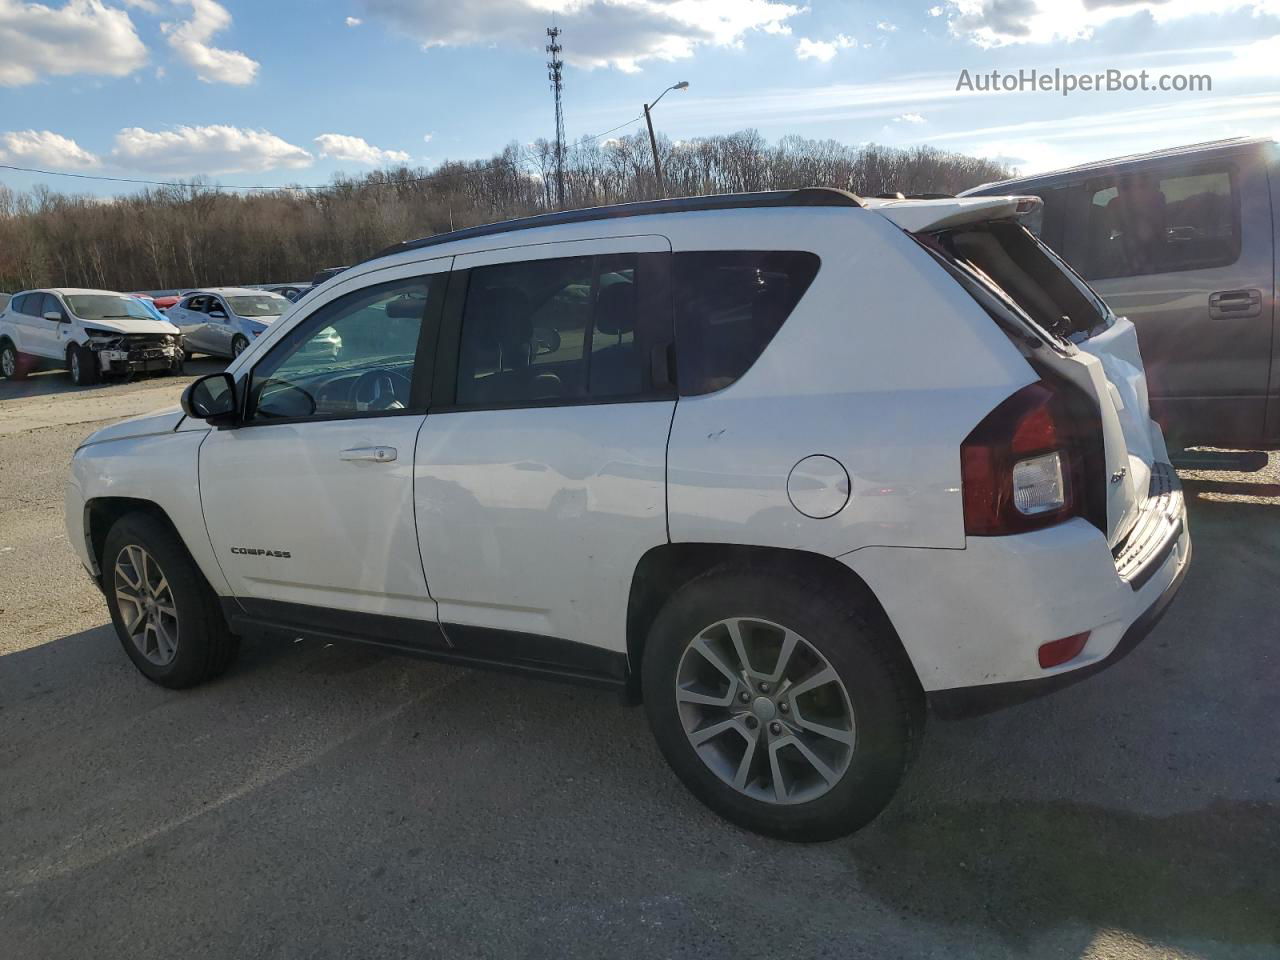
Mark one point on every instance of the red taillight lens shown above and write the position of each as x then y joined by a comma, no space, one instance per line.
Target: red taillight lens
1016,469
1057,652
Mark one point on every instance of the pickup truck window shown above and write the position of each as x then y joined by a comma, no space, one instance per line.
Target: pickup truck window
1153,223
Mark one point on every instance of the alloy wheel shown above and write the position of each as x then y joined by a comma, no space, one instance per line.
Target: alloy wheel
146,605
8,362
75,367
765,711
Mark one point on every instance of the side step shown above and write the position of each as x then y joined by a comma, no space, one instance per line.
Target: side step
1240,461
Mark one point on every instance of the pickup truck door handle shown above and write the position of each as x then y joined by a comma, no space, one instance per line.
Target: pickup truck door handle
372,454
1233,304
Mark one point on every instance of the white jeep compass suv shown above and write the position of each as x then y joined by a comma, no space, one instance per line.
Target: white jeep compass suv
787,467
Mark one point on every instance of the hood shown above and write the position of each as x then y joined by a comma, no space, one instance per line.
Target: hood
162,421
130,325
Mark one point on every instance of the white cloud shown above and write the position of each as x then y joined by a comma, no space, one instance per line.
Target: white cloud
936,11
913,118
44,148
886,27
994,23
353,21
212,150
338,146
81,37
190,41
428,137
597,33
824,51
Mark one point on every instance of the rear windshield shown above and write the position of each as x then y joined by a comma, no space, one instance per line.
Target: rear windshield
265,305
99,306
1022,271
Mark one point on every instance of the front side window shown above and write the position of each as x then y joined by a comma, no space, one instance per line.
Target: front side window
729,305
101,306
547,331
1151,223
354,356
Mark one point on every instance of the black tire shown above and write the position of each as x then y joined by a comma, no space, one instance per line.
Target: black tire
205,647
238,346
82,366
18,364
856,641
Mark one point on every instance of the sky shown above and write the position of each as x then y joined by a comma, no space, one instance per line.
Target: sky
275,92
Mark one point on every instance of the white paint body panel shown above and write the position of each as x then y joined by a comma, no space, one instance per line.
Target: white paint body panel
533,520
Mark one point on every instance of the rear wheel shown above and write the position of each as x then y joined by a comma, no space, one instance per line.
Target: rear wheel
238,346
13,365
164,612
82,366
782,706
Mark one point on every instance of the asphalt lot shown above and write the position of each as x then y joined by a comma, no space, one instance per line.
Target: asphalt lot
334,802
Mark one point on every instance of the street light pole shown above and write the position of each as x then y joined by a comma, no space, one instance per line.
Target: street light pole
653,141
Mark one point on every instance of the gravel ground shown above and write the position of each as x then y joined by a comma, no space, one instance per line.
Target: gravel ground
333,802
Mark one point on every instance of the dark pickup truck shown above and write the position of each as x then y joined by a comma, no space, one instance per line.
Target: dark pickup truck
1183,243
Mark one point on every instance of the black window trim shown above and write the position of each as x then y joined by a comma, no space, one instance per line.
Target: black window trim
1076,228
420,382
444,397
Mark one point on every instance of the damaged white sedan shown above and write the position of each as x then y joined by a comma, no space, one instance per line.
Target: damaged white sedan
90,333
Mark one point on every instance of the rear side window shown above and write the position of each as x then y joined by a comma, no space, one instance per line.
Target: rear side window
1153,223
729,304
566,330
19,303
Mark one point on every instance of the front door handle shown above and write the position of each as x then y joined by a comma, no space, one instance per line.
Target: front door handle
371,454
1231,304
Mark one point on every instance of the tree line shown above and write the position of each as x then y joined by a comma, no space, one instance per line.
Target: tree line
196,234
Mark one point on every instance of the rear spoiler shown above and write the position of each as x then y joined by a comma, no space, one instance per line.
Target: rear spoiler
928,216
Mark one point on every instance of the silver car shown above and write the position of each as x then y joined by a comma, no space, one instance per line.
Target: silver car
223,321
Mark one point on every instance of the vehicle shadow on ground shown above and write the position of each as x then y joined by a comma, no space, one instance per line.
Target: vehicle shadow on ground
49,383
1021,868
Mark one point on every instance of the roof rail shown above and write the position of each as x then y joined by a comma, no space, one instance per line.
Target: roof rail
803,197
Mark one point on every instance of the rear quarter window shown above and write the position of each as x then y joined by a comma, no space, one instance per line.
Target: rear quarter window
729,305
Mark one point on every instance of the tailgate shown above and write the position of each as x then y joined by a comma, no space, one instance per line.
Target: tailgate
1078,337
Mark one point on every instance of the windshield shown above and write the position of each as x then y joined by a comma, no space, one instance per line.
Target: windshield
260,305
107,306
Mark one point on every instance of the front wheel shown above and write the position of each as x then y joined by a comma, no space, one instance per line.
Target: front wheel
781,704
238,346
82,366
165,614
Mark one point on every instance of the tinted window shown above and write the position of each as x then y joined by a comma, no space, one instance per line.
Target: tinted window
548,330
261,305
729,305
352,356
19,303
1149,224
101,306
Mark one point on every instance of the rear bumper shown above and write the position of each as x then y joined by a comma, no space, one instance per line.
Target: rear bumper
972,621
962,702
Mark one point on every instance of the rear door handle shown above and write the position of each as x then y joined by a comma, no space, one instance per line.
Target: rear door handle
1233,304
371,454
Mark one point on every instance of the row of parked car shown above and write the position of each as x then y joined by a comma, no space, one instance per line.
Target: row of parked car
94,334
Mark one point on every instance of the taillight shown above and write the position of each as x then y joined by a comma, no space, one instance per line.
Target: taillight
1018,470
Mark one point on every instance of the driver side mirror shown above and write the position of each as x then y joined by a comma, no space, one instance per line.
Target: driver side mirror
212,399
55,316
